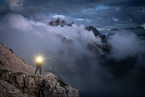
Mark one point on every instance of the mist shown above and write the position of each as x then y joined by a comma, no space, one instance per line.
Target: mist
66,54
126,44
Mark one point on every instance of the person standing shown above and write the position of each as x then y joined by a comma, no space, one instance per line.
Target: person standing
38,64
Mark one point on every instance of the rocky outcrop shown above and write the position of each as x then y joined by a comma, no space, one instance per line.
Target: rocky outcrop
47,85
98,49
65,40
59,22
17,79
8,90
10,61
97,33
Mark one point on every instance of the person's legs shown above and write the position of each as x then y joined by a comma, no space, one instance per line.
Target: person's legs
40,71
36,70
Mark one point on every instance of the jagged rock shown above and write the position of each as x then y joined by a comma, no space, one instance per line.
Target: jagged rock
30,81
19,79
65,40
32,85
39,81
8,90
57,86
52,23
59,22
63,22
95,31
9,60
59,91
104,38
5,75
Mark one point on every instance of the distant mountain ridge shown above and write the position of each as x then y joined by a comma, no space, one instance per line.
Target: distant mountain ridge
96,48
59,22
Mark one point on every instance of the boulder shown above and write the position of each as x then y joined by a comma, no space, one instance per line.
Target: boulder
30,81
19,79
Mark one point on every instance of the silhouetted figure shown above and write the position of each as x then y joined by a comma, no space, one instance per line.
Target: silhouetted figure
38,66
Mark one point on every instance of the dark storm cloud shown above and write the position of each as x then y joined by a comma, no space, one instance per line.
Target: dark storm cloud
127,3
126,11
54,6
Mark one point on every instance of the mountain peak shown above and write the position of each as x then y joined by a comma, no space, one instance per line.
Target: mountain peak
59,22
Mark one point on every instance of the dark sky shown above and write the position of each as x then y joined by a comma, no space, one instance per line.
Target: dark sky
99,13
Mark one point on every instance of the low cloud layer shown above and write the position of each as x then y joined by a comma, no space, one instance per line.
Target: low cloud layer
41,34
126,44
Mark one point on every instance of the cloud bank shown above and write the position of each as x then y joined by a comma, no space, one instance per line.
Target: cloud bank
126,44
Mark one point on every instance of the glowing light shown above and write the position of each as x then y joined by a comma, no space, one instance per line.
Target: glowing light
39,59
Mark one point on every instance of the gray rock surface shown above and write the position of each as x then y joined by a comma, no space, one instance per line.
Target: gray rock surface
59,22
35,85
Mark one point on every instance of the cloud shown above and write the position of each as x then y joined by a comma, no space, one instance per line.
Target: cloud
126,44
143,25
58,16
116,20
14,3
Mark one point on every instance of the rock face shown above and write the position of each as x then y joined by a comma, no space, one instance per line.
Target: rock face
23,83
98,49
65,40
59,22
47,85
8,60
97,33
8,90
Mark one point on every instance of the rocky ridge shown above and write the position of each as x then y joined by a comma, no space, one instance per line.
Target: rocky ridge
16,82
10,61
59,22
97,49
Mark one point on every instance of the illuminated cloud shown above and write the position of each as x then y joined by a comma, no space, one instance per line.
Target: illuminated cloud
58,16
115,19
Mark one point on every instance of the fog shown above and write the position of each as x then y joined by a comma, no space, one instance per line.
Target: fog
66,54
125,44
